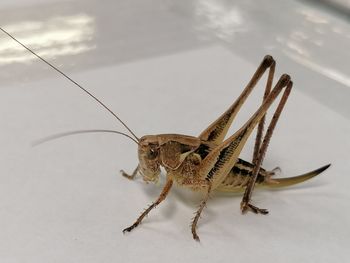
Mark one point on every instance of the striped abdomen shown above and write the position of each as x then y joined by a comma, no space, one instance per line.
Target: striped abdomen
239,176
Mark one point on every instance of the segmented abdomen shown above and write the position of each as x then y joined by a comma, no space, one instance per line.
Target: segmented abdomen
239,177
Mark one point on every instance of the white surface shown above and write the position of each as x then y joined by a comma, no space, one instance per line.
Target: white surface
64,201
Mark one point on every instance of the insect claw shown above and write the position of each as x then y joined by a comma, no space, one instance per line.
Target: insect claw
277,170
247,206
196,237
128,229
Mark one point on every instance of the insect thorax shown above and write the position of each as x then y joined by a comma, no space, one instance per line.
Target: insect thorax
187,174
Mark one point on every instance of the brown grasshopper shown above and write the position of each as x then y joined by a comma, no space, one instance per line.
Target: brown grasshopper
210,163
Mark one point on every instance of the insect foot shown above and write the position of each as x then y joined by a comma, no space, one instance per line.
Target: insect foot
196,237
130,176
126,175
247,206
130,228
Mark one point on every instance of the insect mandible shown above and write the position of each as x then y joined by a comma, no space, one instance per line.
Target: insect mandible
209,163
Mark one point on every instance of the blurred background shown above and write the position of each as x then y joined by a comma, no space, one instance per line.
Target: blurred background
312,37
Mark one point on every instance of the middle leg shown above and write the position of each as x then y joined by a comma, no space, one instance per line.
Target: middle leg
199,211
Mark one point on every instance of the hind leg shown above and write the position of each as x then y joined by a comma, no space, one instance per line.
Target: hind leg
246,204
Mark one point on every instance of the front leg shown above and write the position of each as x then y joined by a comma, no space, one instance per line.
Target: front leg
130,176
161,198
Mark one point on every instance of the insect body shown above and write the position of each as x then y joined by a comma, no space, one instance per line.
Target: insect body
210,162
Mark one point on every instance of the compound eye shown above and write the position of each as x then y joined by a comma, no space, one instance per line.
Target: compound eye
152,154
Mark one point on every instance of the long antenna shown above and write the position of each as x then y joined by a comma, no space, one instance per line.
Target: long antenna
69,133
70,79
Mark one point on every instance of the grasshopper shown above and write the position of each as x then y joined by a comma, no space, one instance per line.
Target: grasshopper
209,163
